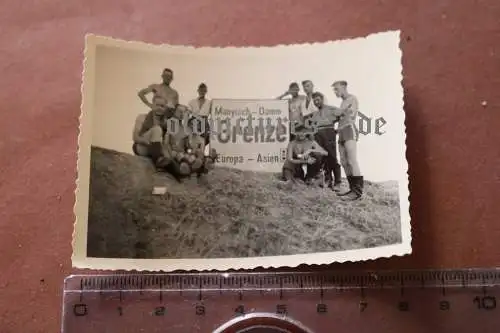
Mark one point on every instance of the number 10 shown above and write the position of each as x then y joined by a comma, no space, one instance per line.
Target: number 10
486,302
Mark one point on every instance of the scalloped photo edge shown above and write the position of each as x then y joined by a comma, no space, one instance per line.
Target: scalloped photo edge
245,214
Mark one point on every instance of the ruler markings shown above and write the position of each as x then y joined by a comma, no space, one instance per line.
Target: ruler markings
200,297
240,291
480,297
270,288
301,282
244,289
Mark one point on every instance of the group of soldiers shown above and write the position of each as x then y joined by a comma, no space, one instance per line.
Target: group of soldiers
314,129
179,151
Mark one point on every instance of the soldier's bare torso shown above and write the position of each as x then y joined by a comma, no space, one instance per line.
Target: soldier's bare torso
168,94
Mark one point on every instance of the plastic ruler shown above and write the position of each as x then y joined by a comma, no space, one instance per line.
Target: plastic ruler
270,302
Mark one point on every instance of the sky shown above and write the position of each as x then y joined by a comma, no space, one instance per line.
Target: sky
371,66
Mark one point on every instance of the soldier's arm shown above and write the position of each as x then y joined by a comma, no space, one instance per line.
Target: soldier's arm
283,95
335,112
200,149
167,146
316,148
290,155
352,106
145,91
350,109
310,119
176,98
209,107
136,137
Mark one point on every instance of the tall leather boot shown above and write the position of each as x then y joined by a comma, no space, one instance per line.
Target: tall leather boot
357,189
358,185
337,174
173,169
349,179
156,152
336,178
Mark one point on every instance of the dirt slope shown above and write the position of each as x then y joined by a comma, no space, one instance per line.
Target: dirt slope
235,214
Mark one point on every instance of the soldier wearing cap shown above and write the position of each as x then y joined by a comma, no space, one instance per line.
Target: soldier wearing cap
200,108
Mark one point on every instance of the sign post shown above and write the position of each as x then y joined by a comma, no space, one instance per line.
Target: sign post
250,135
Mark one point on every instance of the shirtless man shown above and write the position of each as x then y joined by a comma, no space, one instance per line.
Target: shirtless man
163,90
295,106
200,108
309,106
348,137
324,120
302,151
148,134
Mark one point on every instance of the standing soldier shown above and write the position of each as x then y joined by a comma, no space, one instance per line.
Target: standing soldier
348,138
200,108
324,121
163,90
309,106
295,106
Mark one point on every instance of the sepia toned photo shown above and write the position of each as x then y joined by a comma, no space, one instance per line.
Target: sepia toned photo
241,157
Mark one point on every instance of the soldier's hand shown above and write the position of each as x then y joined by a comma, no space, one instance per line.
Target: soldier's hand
311,160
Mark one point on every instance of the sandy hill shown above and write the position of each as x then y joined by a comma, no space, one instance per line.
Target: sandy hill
236,213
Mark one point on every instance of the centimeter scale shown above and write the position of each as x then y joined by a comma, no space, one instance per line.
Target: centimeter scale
285,302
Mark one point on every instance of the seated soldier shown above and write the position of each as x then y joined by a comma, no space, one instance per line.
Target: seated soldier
148,134
195,148
174,143
303,151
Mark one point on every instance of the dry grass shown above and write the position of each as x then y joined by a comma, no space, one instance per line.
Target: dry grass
236,214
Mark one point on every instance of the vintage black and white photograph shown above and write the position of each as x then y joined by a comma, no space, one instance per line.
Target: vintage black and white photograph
241,157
